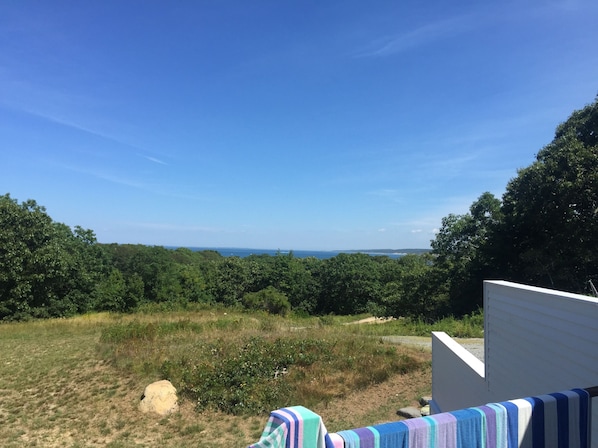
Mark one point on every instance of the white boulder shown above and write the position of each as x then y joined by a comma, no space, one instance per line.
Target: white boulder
160,398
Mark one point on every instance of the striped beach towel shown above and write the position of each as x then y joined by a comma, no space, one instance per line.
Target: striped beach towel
559,420
367,437
293,427
334,440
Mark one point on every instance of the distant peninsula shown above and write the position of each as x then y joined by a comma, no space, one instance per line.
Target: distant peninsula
391,251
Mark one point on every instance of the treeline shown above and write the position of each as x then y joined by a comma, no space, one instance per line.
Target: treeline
543,232
47,270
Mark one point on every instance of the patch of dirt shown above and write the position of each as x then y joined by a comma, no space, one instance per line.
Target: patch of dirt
379,403
371,320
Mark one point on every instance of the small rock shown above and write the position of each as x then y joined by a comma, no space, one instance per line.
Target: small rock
425,400
425,410
159,397
409,412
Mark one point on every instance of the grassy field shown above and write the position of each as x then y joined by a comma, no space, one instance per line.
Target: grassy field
78,382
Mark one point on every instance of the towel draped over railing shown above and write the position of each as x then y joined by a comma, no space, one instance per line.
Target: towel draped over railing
560,420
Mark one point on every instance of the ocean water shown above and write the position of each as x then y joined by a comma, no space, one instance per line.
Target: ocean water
321,254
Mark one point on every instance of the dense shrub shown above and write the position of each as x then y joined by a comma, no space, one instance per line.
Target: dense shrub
251,378
268,299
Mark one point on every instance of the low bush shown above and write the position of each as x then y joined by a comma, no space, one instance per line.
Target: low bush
251,378
252,368
268,299
149,331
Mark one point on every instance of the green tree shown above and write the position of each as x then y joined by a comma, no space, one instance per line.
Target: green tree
134,292
551,209
293,276
306,291
421,291
46,269
230,282
350,283
156,267
193,284
111,293
467,252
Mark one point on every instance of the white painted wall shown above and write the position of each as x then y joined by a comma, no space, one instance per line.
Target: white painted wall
536,341
460,371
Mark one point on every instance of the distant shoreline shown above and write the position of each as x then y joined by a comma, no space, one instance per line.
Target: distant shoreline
321,254
385,251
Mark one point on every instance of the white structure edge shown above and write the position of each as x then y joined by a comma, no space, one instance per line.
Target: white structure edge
536,341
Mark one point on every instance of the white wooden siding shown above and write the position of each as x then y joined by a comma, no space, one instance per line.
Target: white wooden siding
536,341
461,371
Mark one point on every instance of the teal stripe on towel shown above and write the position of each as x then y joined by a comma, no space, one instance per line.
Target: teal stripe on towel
351,438
483,426
376,436
469,433
501,424
419,432
445,430
433,432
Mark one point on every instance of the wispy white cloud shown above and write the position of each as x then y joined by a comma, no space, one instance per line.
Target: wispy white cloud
153,159
59,108
452,166
153,188
106,176
423,35
149,187
66,122
417,231
445,29
57,119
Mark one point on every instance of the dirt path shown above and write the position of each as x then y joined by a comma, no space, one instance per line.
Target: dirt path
371,320
473,345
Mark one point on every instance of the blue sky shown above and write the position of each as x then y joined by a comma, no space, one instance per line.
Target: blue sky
282,124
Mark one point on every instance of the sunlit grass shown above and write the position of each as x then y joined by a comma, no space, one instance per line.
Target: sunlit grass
243,364
77,382
470,326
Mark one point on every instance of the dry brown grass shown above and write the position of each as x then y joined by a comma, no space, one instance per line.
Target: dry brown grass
58,389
